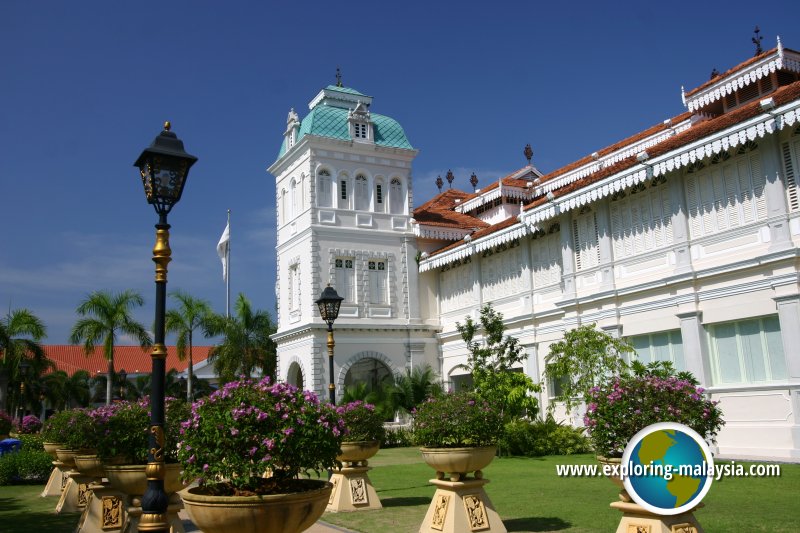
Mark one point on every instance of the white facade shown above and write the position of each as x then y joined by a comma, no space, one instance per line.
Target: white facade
344,210
682,239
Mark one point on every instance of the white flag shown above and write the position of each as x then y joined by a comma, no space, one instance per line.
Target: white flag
222,249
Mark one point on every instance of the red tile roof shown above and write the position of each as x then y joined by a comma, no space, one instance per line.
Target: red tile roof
438,211
133,359
782,96
730,71
699,130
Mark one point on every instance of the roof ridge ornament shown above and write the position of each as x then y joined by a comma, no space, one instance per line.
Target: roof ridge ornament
473,180
450,178
528,153
757,41
339,77
780,47
439,182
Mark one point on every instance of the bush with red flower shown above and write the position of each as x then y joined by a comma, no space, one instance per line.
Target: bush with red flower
623,405
457,420
249,428
362,421
5,424
30,424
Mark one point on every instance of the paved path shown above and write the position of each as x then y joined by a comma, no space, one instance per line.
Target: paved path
319,527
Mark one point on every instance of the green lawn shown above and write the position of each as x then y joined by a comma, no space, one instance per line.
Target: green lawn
530,497
525,491
22,510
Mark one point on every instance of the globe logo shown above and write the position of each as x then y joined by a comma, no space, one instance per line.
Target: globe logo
668,468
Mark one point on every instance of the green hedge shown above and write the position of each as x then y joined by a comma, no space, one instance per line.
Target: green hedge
26,466
542,437
398,437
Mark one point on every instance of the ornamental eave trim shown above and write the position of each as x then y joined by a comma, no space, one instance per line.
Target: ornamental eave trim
782,59
749,130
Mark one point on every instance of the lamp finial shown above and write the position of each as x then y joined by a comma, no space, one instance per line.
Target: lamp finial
167,125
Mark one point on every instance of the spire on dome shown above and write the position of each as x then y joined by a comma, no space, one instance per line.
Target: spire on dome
339,77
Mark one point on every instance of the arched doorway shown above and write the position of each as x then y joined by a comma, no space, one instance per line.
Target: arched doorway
295,376
369,371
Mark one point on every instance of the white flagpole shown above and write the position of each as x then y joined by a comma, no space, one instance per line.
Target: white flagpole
228,277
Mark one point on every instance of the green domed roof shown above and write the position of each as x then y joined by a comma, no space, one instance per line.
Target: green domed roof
331,121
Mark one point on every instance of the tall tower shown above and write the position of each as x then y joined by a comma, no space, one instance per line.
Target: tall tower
343,196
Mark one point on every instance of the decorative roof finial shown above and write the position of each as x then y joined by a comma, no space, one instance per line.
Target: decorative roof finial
757,41
167,125
339,77
473,180
439,182
528,153
715,73
450,178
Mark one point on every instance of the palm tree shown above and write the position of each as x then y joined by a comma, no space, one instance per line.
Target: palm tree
20,334
246,343
106,315
64,392
414,387
191,314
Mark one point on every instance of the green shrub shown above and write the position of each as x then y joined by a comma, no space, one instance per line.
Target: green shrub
25,466
543,437
33,466
397,438
32,441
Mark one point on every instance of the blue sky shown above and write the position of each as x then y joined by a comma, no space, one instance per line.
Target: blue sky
85,87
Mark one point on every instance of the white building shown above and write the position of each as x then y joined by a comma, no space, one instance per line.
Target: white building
343,185
682,238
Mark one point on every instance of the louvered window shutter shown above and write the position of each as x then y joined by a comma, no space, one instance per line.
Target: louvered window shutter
790,171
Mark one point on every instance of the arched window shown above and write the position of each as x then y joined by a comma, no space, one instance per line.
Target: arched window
293,207
344,192
283,206
324,188
396,199
361,193
302,193
380,196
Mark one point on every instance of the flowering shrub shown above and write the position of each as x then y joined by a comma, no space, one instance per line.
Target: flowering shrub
456,420
5,423
82,434
362,421
123,430
57,428
622,406
251,427
30,424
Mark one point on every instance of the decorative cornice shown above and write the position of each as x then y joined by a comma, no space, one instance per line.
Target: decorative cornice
780,60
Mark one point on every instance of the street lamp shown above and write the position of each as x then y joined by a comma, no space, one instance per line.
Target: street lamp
163,166
329,302
23,370
123,385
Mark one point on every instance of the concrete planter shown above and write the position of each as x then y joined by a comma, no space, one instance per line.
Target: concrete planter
275,513
51,447
458,462
357,451
132,480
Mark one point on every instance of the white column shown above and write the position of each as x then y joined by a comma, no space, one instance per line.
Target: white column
680,224
605,245
775,192
789,318
567,257
695,348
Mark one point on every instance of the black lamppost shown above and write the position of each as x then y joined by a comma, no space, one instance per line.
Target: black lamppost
329,303
23,371
123,384
164,166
